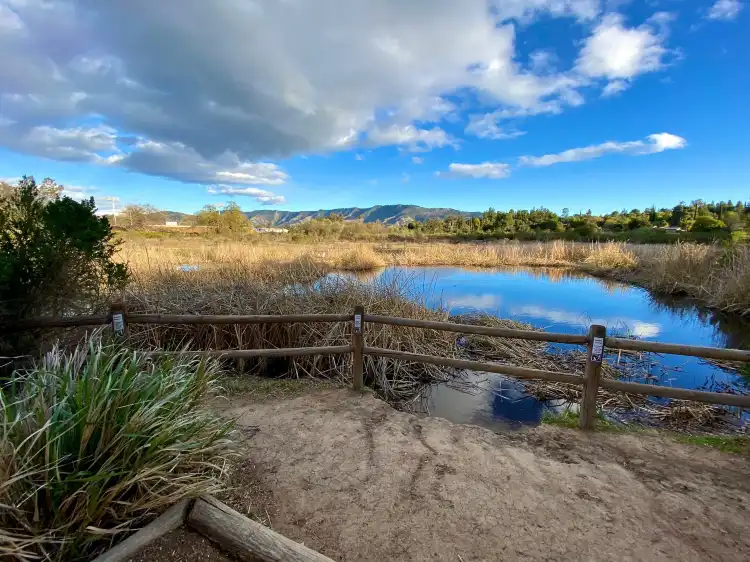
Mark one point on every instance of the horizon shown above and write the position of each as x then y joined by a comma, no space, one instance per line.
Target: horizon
578,104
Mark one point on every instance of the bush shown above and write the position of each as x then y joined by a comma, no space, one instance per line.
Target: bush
94,441
706,223
56,255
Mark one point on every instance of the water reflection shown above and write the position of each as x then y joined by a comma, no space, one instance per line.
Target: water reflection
567,301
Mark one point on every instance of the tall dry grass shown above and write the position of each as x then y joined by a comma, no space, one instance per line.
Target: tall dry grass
716,276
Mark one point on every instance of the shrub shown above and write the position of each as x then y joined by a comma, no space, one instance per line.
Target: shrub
95,440
55,253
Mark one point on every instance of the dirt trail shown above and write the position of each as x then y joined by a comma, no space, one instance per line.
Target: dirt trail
357,480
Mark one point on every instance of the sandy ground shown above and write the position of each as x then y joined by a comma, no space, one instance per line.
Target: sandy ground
181,545
356,480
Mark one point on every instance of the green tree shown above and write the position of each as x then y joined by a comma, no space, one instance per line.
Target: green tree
56,255
208,216
706,223
233,220
678,213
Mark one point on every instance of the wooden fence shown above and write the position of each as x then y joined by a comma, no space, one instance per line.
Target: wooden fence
596,341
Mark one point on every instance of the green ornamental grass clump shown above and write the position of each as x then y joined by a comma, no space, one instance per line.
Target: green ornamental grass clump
95,441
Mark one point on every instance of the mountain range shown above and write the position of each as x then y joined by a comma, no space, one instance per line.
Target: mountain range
386,214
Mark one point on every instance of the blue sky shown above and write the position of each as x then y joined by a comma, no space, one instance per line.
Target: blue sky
585,104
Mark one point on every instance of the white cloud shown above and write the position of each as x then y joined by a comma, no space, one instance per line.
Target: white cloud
653,144
359,157
485,170
615,87
725,10
416,140
417,160
615,51
78,192
644,329
177,161
268,80
483,301
77,144
525,10
9,20
487,126
260,195
630,326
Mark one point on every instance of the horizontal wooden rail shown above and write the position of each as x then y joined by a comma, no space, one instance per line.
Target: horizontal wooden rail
518,372
250,353
231,319
59,322
595,344
678,349
677,393
579,339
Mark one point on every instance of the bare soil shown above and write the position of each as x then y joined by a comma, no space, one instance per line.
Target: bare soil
349,476
181,545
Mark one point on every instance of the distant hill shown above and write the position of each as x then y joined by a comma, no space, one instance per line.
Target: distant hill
387,214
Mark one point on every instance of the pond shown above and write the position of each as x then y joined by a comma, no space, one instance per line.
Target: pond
569,302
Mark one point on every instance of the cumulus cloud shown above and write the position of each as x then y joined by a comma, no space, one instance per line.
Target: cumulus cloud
615,87
260,195
724,10
79,192
232,84
76,144
653,144
485,170
488,126
409,136
9,20
417,160
181,162
617,52
525,10
270,80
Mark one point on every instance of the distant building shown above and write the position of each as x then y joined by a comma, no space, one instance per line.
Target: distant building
265,230
172,223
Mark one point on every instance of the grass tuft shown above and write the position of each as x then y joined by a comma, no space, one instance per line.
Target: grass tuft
95,441
568,418
737,444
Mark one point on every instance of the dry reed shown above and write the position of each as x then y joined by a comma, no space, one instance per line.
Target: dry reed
715,276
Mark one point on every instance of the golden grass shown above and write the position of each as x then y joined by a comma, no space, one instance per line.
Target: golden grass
718,277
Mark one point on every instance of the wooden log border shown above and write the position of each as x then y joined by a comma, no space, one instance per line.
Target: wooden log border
232,531
247,540
168,521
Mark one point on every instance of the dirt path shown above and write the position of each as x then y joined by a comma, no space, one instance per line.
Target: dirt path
357,480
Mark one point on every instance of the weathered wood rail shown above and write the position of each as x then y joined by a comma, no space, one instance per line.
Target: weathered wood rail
596,342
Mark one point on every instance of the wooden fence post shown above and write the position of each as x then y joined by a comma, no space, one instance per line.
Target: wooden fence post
357,359
117,314
595,355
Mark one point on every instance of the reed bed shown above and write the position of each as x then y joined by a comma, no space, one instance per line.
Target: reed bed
222,291
715,276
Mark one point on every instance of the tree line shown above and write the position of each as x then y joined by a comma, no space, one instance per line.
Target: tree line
696,217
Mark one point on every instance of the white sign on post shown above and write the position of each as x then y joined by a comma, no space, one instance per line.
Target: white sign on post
118,323
357,323
597,350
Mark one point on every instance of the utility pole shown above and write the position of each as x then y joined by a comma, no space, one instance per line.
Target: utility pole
113,200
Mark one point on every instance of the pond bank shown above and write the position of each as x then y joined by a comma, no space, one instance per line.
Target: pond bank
356,480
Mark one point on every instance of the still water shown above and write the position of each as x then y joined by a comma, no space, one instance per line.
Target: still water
564,301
